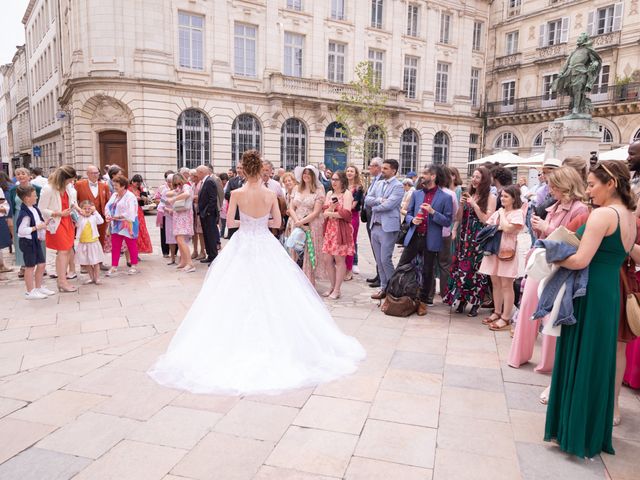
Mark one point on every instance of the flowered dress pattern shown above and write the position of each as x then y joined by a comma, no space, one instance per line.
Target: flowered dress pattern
331,244
466,283
183,221
144,239
303,204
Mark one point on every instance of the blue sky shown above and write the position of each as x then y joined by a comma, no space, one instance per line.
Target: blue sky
11,28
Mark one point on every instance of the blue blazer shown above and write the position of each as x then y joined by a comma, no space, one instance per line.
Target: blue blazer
387,210
442,217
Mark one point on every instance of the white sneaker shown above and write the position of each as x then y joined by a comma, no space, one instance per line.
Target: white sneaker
34,295
112,272
355,270
45,291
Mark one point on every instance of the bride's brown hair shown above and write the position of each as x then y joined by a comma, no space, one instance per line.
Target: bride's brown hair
252,163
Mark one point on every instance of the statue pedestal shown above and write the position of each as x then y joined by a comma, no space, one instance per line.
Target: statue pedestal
572,137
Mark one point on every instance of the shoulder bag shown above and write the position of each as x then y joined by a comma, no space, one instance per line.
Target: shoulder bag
632,306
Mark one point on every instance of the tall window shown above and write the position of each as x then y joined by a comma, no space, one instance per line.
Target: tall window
245,50
605,20
337,9
442,82
190,44
473,89
471,157
554,32
514,7
294,5
440,149
413,13
335,147
538,142
445,28
507,140
376,60
293,144
335,68
511,43
408,151
602,84
376,13
547,87
606,135
477,36
246,134
373,143
193,139
509,92
410,76
293,54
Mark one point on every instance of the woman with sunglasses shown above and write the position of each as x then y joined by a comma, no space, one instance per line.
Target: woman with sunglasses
581,400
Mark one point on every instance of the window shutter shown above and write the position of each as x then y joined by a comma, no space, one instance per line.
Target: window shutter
564,33
591,30
542,40
617,16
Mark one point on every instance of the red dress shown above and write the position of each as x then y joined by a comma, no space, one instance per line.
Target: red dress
338,233
65,235
144,240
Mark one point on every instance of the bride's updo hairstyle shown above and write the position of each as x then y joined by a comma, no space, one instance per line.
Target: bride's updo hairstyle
252,163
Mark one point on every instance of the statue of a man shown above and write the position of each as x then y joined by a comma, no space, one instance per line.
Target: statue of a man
578,75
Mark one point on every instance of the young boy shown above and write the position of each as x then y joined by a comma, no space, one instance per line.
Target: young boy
31,234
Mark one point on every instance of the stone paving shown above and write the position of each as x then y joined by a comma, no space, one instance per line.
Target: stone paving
433,399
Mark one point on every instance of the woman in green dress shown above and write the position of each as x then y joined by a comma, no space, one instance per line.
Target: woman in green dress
580,409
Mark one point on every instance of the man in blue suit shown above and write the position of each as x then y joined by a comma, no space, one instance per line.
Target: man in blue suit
384,199
429,210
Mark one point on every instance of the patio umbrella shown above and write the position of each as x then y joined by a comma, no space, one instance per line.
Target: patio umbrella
502,157
616,154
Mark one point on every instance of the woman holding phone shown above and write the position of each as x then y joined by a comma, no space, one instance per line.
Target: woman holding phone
338,232
466,284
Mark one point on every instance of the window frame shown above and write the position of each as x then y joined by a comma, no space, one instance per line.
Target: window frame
186,33
338,10
377,65
410,76
298,153
338,57
238,137
512,39
476,42
377,14
247,70
445,28
413,20
409,151
440,151
442,83
201,141
474,92
293,53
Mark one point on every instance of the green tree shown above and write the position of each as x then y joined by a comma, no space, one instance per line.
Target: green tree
362,108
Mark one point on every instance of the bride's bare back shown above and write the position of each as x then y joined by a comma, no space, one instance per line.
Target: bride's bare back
255,200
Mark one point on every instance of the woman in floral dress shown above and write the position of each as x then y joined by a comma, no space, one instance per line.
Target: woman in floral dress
306,212
137,188
180,200
465,283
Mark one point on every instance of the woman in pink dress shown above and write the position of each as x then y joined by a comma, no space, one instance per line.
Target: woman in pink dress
338,232
510,220
306,212
180,199
566,186
357,191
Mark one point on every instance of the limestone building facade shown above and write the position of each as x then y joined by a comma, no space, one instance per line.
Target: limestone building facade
161,84
528,44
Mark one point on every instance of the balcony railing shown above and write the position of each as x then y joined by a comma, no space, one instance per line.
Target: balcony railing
606,40
552,51
614,94
308,87
508,61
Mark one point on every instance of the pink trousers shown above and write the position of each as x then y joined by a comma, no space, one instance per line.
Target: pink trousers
116,245
632,373
526,332
355,222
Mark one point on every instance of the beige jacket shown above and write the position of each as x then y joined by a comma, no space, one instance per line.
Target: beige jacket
50,202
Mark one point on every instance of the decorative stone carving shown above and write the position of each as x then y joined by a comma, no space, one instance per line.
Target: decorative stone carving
110,110
556,134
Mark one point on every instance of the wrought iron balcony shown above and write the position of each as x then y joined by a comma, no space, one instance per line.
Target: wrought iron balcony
605,100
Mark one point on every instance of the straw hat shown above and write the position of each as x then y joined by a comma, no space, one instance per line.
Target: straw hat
297,172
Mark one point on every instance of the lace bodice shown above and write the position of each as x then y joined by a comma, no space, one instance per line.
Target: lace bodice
254,226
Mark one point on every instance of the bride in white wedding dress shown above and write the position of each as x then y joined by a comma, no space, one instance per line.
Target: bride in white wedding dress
257,325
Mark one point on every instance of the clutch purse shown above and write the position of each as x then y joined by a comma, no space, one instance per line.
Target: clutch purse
179,205
562,234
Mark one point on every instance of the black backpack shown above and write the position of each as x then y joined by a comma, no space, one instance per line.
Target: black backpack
404,282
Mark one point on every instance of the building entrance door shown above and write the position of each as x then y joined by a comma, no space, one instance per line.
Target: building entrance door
113,150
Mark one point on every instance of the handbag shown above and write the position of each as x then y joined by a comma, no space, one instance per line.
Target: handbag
179,205
399,306
506,254
402,234
632,307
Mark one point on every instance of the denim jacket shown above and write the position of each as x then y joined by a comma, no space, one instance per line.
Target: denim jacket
575,281
489,239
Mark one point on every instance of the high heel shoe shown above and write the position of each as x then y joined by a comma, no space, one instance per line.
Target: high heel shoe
67,289
474,311
334,296
461,306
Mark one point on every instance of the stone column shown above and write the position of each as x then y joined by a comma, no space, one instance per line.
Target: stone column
571,137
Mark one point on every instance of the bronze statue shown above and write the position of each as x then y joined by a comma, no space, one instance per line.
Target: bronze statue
577,77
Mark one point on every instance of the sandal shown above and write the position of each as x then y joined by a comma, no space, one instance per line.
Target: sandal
497,327
490,319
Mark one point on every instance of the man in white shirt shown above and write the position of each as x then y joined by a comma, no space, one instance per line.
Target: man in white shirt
269,182
38,180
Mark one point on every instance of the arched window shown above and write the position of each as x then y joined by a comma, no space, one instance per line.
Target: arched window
636,137
606,135
440,149
194,139
246,134
293,144
335,148
538,142
373,143
507,140
408,151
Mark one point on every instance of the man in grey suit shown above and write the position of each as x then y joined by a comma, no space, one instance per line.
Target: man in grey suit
375,166
384,200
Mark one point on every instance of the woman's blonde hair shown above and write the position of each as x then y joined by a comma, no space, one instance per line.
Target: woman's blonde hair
59,177
568,181
579,165
21,170
290,175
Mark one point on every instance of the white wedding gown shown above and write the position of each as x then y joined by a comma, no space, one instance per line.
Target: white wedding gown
257,325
